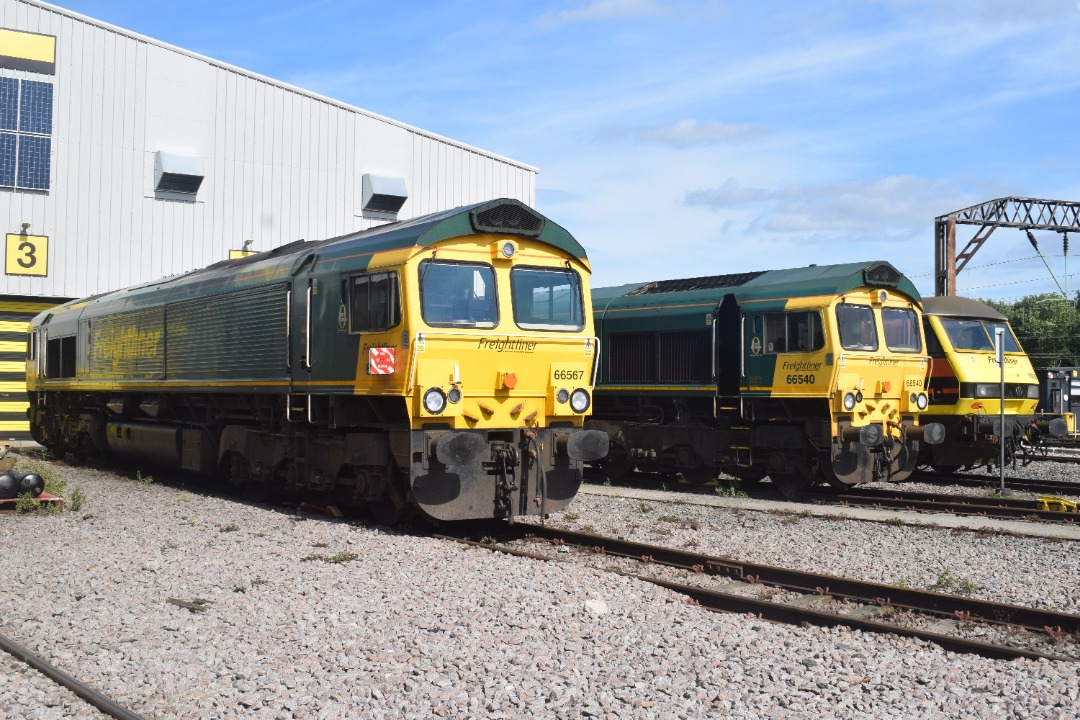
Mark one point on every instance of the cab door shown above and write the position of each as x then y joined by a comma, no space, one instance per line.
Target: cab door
758,364
300,298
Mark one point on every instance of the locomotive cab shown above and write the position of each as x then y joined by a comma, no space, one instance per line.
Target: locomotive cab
965,387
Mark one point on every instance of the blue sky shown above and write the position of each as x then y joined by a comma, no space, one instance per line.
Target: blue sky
677,139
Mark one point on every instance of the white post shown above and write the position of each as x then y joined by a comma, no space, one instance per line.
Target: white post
999,340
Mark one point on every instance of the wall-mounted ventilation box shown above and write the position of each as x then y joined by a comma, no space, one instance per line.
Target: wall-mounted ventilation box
383,194
177,173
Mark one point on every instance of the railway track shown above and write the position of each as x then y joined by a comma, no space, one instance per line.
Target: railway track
61,678
994,507
882,498
972,479
956,623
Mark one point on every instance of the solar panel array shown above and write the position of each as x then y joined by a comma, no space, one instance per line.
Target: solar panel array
25,133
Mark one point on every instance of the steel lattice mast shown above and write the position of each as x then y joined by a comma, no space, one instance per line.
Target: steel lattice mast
1009,212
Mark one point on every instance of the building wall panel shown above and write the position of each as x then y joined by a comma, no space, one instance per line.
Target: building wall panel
280,163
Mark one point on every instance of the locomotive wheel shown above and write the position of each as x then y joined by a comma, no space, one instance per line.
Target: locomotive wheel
617,464
790,484
391,509
699,475
256,492
238,472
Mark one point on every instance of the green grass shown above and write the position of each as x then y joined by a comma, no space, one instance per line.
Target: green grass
730,490
947,582
342,557
27,503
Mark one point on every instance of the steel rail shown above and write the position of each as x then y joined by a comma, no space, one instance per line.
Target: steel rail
953,504
809,583
797,580
969,479
87,693
794,615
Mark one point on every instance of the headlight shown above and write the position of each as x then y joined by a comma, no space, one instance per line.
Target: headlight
849,402
580,400
858,396
454,395
1033,392
987,390
562,395
434,401
922,401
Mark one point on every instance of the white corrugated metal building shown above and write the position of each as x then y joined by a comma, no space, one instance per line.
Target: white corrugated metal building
124,159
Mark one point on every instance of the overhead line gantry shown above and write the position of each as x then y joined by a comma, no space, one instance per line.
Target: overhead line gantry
1009,212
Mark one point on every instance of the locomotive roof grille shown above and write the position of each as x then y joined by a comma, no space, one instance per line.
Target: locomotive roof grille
507,218
883,274
700,283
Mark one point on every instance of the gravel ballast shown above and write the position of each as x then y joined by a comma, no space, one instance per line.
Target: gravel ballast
313,617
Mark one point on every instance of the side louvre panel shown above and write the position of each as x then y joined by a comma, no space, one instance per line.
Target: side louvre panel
128,345
234,336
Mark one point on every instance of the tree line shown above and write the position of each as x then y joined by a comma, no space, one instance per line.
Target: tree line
1047,326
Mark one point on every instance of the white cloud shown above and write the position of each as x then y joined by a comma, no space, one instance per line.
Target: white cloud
604,10
895,203
683,134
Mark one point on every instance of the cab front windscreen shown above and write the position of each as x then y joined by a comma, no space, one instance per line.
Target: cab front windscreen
457,294
547,299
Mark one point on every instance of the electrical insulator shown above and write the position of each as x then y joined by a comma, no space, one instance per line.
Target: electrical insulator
1031,239
1065,243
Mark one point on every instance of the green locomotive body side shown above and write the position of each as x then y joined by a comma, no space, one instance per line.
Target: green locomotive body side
750,373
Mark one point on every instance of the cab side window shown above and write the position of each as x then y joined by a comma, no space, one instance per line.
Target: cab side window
374,302
933,345
792,332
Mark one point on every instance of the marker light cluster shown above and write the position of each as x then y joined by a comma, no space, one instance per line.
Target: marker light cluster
579,399
851,399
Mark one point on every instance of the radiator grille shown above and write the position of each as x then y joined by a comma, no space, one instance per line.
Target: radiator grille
508,217
882,274
672,357
632,358
685,357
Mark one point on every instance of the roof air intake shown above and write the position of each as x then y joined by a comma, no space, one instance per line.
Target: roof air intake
507,217
882,274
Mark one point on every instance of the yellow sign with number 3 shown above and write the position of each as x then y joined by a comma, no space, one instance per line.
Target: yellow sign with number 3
27,255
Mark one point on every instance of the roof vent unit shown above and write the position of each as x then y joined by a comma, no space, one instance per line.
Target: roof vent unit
177,173
383,194
882,274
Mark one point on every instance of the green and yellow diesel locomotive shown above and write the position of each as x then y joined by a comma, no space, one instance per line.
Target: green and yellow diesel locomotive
965,388
442,365
801,374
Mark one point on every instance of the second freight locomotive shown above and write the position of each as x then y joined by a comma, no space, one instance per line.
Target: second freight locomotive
805,374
